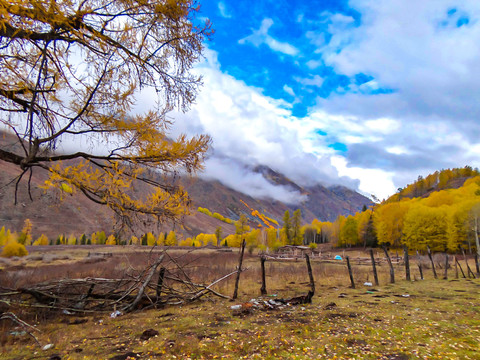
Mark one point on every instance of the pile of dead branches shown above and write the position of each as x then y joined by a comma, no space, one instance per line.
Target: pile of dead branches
155,286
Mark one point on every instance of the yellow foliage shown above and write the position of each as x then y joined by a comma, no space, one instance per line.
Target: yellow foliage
3,236
151,241
133,241
14,249
25,236
425,226
161,239
125,46
233,240
41,241
215,215
171,239
72,240
111,240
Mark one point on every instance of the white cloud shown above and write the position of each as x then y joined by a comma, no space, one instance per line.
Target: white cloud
223,10
243,179
261,36
372,181
288,90
316,81
249,128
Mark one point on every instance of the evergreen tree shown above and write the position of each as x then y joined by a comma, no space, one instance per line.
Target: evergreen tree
287,227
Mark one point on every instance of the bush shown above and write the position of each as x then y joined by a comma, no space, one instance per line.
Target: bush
312,246
14,249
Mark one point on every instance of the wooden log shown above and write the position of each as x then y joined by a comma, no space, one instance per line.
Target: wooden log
431,261
375,276
310,275
407,263
263,289
240,261
141,291
350,273
392,272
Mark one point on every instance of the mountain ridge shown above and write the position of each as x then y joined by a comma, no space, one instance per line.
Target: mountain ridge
77,215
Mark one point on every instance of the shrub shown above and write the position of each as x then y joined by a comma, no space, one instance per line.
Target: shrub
312,246
14,249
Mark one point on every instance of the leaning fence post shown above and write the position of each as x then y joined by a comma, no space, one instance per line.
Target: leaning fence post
375,276
263,289
460,266
431,261
240,260
310,274
392,272
350,273
469,271
407,263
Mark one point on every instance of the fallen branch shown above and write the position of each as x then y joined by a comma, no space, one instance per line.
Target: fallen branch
11,316
141,291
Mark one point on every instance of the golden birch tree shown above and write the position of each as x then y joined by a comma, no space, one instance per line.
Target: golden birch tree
71,73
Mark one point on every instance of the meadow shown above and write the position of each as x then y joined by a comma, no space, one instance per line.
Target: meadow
426,319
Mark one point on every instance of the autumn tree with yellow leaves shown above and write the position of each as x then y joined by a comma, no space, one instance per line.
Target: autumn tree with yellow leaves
71,73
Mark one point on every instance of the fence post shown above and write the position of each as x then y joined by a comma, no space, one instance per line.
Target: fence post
420,265
240,260
460,266
431,261
469,271
374,267
310,274
407,263
477,265
446,267
392,272
350,273
263,289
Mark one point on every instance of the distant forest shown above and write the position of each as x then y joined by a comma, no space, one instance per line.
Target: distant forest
440,211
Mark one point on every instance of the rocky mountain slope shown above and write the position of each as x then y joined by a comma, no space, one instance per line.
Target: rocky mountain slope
76,215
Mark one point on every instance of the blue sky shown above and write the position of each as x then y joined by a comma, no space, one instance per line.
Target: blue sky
366,93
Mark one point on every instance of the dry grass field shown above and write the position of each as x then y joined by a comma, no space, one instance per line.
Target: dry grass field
420,319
